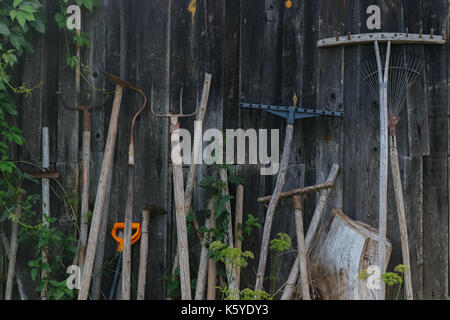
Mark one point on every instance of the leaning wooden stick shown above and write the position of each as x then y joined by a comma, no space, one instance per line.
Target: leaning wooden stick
238,228
272,206
395,168
13,249
190,184
312,231
105,178
299,192
231,272
302,254
142,277
18,274
212,268
203,264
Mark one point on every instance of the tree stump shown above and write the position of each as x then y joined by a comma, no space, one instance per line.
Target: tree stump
344,249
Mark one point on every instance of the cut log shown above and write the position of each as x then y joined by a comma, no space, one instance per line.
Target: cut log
345,248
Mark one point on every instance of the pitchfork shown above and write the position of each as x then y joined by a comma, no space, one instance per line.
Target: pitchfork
85,171
178,182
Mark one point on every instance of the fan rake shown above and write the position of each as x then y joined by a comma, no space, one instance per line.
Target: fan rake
402,76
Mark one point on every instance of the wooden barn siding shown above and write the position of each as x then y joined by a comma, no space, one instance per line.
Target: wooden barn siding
258,51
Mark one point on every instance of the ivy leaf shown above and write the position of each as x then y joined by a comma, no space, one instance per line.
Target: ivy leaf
16,3
4,29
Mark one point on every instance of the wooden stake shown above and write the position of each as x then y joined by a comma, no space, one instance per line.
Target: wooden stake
312,231
142,277
18,274
203,264
395,168
105,179
178,186
212,268
45,203
125,277
231,272
190,184
238,228
13,249
302,257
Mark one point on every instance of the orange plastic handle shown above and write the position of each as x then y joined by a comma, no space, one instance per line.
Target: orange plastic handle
121,226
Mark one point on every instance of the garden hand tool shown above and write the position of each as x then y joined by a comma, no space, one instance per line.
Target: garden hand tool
382,96
126,266
85,173
290,114
104,183
120,241
402,75
178,184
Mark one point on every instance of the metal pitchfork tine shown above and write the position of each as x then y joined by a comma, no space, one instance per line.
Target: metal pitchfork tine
179,115
178,184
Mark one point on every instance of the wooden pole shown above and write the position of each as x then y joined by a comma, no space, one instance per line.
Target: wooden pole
302,253
45,203
384,162
13,248
272,206
105,179
312,231
190,184
18,274
238,228
299,192
100,251
395,168
230,270
203,264
212,268
142,277
178,186
126,264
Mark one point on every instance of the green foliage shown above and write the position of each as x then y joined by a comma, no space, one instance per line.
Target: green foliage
278,247
390,279
281,244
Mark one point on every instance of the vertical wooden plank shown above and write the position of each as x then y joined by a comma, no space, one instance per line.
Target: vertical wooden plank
435,215
152,182
413,190
417,102
330,96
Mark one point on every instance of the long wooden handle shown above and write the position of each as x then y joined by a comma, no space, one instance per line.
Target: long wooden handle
237,230
126,264
398,189
212,267
85,178
178,185
272,206
13,251
105,174
302,254
142,277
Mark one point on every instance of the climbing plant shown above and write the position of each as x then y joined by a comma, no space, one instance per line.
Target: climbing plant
20,22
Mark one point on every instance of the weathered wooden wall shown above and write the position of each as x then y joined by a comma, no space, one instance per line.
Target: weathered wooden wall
258,51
